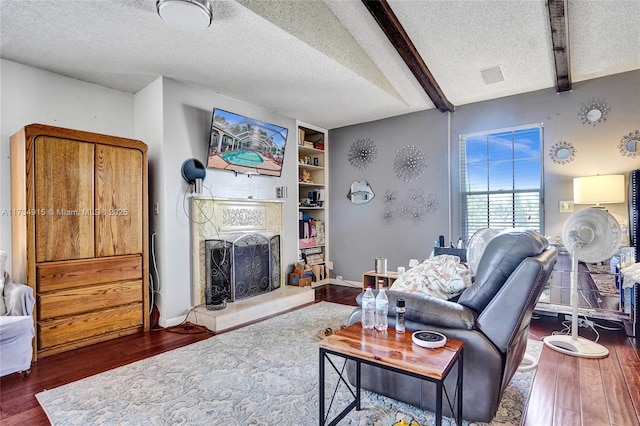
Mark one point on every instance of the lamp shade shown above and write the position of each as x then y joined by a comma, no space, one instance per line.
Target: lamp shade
600,189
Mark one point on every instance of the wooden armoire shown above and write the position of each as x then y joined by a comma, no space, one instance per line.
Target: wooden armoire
80,234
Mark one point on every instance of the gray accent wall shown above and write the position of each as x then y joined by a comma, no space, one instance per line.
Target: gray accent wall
359,233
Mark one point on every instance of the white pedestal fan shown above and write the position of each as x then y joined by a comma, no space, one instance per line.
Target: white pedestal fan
591,235
477,243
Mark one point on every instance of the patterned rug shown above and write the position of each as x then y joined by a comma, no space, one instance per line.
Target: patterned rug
262,374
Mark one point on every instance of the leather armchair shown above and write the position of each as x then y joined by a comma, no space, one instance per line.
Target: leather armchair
492,317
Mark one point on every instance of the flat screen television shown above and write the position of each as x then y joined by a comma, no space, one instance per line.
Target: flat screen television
245,145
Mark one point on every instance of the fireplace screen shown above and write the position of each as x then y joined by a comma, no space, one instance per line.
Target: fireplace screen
243,268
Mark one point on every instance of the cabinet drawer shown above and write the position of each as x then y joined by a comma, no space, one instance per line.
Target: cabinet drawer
65,275
87,299
85,326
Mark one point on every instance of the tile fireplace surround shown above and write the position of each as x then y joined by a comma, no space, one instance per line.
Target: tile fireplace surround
225,218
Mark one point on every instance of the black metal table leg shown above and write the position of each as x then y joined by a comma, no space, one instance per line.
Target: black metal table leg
441,391
358,388
321,382
459,384
439,402
321,405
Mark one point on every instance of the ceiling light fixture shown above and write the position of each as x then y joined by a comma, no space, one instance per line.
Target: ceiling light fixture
185,15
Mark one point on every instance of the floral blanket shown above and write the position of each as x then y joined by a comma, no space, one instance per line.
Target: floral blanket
440,276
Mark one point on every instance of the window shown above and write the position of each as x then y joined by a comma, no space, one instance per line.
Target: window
501,180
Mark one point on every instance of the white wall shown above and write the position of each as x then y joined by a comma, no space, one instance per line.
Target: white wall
148,128
173,119
29,95
186,119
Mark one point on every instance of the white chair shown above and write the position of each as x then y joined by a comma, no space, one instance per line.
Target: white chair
16,328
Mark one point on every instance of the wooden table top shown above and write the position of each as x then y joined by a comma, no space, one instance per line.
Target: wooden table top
393,349
388,274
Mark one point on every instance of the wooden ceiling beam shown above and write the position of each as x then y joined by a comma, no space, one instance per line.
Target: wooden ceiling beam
559,20
390,25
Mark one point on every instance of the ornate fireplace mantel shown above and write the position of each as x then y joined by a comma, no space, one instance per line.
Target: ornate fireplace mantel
226,218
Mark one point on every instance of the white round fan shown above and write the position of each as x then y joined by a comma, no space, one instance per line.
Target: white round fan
477,243
591,235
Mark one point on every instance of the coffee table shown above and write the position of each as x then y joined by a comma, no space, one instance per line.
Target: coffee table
395,352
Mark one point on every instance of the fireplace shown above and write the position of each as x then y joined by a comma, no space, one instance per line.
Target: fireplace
236,249
241,268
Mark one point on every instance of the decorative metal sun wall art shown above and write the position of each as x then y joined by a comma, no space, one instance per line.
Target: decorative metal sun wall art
562,152
409,163
389,215
362,153
414,207
630,145
432,203
594,112
390,196
416,197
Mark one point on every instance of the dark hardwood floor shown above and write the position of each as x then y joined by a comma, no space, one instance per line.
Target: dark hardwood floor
571,391
18,405
566,391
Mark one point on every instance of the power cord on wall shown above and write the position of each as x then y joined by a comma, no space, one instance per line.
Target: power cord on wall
154,288
207,219
185,327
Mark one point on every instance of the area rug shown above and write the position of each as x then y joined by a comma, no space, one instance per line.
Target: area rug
262,374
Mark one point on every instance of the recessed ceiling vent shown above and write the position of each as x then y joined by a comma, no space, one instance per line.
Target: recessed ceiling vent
492,75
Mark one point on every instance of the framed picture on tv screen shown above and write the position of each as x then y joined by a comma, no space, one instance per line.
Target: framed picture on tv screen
245,145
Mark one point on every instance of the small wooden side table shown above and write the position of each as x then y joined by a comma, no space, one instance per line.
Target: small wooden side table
395,352
377,281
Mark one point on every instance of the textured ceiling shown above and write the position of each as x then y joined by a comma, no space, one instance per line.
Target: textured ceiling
326,63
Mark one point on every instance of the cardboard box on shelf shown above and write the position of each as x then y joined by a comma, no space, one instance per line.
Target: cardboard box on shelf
300,280
303,269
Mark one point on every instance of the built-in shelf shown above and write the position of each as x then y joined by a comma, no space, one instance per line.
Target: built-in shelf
310,167
312,179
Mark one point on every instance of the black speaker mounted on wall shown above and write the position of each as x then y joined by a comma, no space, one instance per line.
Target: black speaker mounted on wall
193,172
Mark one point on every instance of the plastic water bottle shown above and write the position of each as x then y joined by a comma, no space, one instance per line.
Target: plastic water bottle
368,309
382,309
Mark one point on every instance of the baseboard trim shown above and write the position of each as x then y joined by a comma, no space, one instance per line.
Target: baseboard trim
166,323
336,281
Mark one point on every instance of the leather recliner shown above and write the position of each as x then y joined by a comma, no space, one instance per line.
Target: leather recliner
491,317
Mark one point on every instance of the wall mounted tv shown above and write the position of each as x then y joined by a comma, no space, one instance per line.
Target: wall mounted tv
244,145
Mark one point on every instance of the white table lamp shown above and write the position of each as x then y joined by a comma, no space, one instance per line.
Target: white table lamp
599,189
